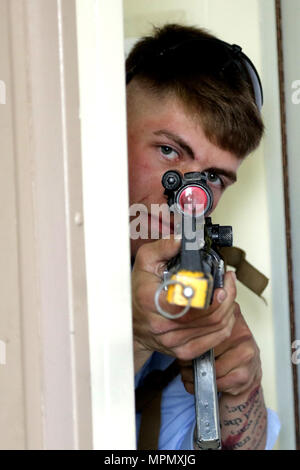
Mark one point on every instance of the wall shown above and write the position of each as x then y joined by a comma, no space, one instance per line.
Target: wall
11,372
45,382
104,175
291,41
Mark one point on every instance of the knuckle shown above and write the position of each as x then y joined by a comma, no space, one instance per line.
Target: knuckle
248,355
259,374
237,309
139,295
225,323
142,255
170,340
156,326
241,376
217,318
245,377
185,353
221,317
226,332
246,335
160,326
182,355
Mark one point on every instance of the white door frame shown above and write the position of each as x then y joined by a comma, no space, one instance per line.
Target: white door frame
67,381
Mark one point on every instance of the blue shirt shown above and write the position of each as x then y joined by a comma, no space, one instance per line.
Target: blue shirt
178,411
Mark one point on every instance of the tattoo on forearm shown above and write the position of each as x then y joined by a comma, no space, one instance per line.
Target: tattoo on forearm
250,402
244,425
260,439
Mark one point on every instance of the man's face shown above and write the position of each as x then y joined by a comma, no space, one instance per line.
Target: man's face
162,136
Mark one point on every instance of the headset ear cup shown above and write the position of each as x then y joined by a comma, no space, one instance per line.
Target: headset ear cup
255,80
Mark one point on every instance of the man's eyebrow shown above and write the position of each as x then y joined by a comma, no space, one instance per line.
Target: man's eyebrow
184,145
177,139
221,171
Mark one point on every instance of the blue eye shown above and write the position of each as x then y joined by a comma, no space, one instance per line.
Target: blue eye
168,152
214,178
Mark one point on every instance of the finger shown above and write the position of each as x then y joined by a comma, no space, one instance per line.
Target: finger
151,256
179,336
189,386
237,380
198,346
187,374
241,355
253,385
183,364
241,333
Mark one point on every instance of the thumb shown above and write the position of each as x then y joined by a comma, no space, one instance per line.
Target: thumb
226,293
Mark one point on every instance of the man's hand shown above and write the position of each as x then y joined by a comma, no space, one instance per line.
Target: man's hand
238,366
184,338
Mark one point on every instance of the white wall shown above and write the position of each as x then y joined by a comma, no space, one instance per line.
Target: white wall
248,206
291,41
11,380
105,185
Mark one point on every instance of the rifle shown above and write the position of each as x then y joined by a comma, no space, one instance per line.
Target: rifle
190,280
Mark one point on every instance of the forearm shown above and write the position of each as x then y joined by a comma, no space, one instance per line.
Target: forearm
243,420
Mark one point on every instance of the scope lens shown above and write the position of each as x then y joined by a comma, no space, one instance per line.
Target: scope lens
193,200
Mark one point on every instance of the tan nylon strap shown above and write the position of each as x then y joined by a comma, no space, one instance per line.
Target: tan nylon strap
245,272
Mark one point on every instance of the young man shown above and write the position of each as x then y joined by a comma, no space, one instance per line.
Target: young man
193,105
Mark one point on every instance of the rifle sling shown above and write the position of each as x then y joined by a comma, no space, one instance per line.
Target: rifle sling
148,402
245,272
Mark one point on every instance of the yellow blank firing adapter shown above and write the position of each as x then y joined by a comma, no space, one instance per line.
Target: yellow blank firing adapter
187,289
193,288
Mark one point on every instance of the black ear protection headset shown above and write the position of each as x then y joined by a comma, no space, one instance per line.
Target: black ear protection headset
206,55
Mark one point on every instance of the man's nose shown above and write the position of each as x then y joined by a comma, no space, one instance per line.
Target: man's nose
193,167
